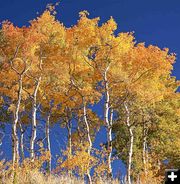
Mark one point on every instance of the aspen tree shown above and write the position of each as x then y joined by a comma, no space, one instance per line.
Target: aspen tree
50,39
141,65
81,73
16,64
109,54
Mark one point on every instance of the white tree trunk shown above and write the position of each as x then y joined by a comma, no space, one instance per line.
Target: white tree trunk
131,139
15,139
107,122
34,122
144,153
130,155
110,138
88,136
48,141
21,141
87,127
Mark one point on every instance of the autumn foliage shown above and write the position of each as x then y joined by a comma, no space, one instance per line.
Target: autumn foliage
53,74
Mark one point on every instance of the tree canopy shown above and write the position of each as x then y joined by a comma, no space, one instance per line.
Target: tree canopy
54,74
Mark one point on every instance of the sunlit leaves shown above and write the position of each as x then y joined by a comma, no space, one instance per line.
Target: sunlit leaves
71,63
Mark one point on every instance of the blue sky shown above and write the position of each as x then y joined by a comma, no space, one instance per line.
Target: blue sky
154,22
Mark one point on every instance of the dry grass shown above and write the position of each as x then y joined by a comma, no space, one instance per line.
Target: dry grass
38,178
35,177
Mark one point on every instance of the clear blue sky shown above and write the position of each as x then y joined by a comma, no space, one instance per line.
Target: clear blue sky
154,22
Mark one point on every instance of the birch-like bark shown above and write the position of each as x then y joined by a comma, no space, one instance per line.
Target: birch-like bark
34,118
48,140
107,122
21,141
15,139
87,127
131,139
34,111
144,156
88,136
110,138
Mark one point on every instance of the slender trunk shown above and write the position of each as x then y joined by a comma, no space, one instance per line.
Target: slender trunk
48,141
131,139
89,138
130,154
22,141
144,157
87,127
15,139
34,122
107,122
110,138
